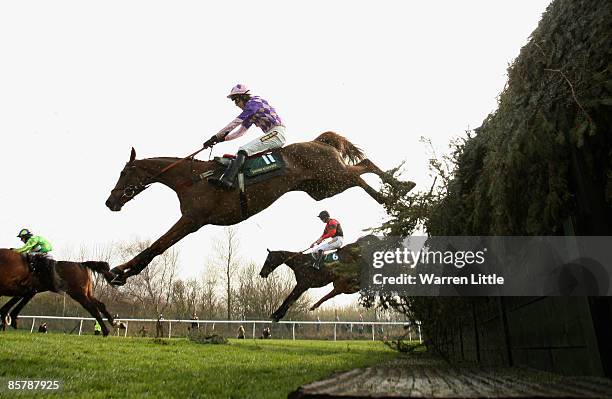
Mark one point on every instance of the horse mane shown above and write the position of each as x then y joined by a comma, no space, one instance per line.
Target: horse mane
350,152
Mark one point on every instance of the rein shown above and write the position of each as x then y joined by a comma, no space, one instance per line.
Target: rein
130,190
296,254
173,164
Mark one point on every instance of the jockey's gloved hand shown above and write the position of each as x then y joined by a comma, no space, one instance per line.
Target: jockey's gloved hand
211,141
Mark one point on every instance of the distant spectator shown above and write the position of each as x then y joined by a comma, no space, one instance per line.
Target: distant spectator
97,328
42,328
143,331
360,325
240,334
159,327
194,325
266,334
318,324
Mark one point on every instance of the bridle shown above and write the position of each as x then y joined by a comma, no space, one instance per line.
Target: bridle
284,261
130,190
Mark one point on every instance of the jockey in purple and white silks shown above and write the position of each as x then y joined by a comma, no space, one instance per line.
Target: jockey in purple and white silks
255,111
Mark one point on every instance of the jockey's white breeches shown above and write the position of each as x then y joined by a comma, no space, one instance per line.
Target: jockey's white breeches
334,243
273,138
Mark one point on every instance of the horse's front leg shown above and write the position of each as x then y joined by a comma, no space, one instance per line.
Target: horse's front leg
4,311
15,311
282,310
182,228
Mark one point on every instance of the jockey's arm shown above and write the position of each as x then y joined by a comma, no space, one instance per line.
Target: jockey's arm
243,120
223,133
32,242
329,231
237,133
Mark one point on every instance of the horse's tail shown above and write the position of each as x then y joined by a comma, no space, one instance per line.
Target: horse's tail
99,267
350,152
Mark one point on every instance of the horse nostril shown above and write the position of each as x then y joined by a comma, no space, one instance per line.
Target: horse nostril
112,205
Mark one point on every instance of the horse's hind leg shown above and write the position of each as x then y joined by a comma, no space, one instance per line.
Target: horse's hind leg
4,311
15,312
102,308
378,197
367,166
330,295
90,306
351,179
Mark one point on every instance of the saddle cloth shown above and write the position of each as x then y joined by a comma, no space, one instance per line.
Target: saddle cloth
331,257
256,168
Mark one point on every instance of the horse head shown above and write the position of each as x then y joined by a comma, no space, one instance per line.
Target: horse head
273,260
132,181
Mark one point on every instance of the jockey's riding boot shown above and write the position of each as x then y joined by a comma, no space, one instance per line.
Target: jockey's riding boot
226,181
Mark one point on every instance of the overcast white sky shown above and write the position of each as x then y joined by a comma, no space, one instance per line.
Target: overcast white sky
81,82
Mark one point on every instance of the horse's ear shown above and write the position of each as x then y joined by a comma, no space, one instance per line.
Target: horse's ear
133,155
268,250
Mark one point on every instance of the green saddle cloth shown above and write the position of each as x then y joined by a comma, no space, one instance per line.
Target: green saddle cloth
262,164
329,258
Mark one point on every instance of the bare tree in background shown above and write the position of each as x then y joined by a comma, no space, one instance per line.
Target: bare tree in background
179,301
226,258
259,297
209,304
185,297
192,294
154,285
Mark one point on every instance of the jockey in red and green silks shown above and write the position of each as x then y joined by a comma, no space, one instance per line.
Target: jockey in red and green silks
332,230
33,244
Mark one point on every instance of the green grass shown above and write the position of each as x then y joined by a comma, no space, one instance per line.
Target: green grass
94,367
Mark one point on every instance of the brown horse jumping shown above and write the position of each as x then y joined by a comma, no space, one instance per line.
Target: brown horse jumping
344,274
324,167
17,281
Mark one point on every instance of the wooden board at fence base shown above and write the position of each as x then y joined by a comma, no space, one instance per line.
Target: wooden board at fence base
421,376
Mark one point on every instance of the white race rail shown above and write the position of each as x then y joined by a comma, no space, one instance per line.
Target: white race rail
254,322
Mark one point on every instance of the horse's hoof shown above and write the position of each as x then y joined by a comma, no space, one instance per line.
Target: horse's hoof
118,281
7,320
116,271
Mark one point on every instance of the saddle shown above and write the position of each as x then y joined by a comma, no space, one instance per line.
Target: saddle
331,257
44,268
256,168
348,260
